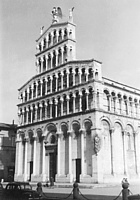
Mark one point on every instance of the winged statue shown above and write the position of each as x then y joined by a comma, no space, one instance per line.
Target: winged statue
56,13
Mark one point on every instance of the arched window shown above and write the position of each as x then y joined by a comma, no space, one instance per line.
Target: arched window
84,103
59,107
34,113
49,40
60,36
90,99
83,76
48,85
59,81
71,104
26,95
70,78
77,102
38,112
64,105
44,43
54,37
44,64
29,115
39,89
43,110
53,108
30,92
54,84
43,87
76,77
90,74
65,34
65,80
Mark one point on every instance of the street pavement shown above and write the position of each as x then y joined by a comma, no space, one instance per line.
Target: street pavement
89,192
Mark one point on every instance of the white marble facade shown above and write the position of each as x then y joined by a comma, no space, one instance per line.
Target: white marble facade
75,124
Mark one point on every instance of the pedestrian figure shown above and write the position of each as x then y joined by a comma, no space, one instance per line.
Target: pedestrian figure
51,182
39,189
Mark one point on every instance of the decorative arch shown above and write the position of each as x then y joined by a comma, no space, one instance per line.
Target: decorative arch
87,124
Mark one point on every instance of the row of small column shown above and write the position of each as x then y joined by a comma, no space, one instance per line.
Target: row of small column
52,38
23,95
50,105
124,105
54,59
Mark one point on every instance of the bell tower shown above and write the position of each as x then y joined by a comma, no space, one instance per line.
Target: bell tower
57,44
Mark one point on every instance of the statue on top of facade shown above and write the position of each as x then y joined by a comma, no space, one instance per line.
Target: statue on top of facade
56,12
71,14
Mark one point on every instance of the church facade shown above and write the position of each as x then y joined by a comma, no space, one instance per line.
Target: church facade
75,124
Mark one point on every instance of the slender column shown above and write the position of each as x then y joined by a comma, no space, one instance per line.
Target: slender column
27,111
73,71
62,74
70,152
62,58
87,73
34,157
56,54
74,96
111,150
46,79
23,113
28,94
46,105
32,89
58,153
80,76
82,152
87,93
36,107
46,41
61,99
135,152
40,111
56,76
43,160
36,88
56,102
67,79
31,114
50,108
51,79
41,83
41,64
80,101
20,158
46,56
124,152
68,104
95,99
25,160
51,55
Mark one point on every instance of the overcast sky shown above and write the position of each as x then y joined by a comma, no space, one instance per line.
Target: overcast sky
106,30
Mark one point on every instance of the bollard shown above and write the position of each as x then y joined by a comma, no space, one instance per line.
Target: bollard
125,190
75,190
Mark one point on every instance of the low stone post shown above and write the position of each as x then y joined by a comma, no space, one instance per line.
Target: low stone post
125,190
75,190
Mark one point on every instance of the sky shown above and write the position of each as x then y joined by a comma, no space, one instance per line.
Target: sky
106,30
